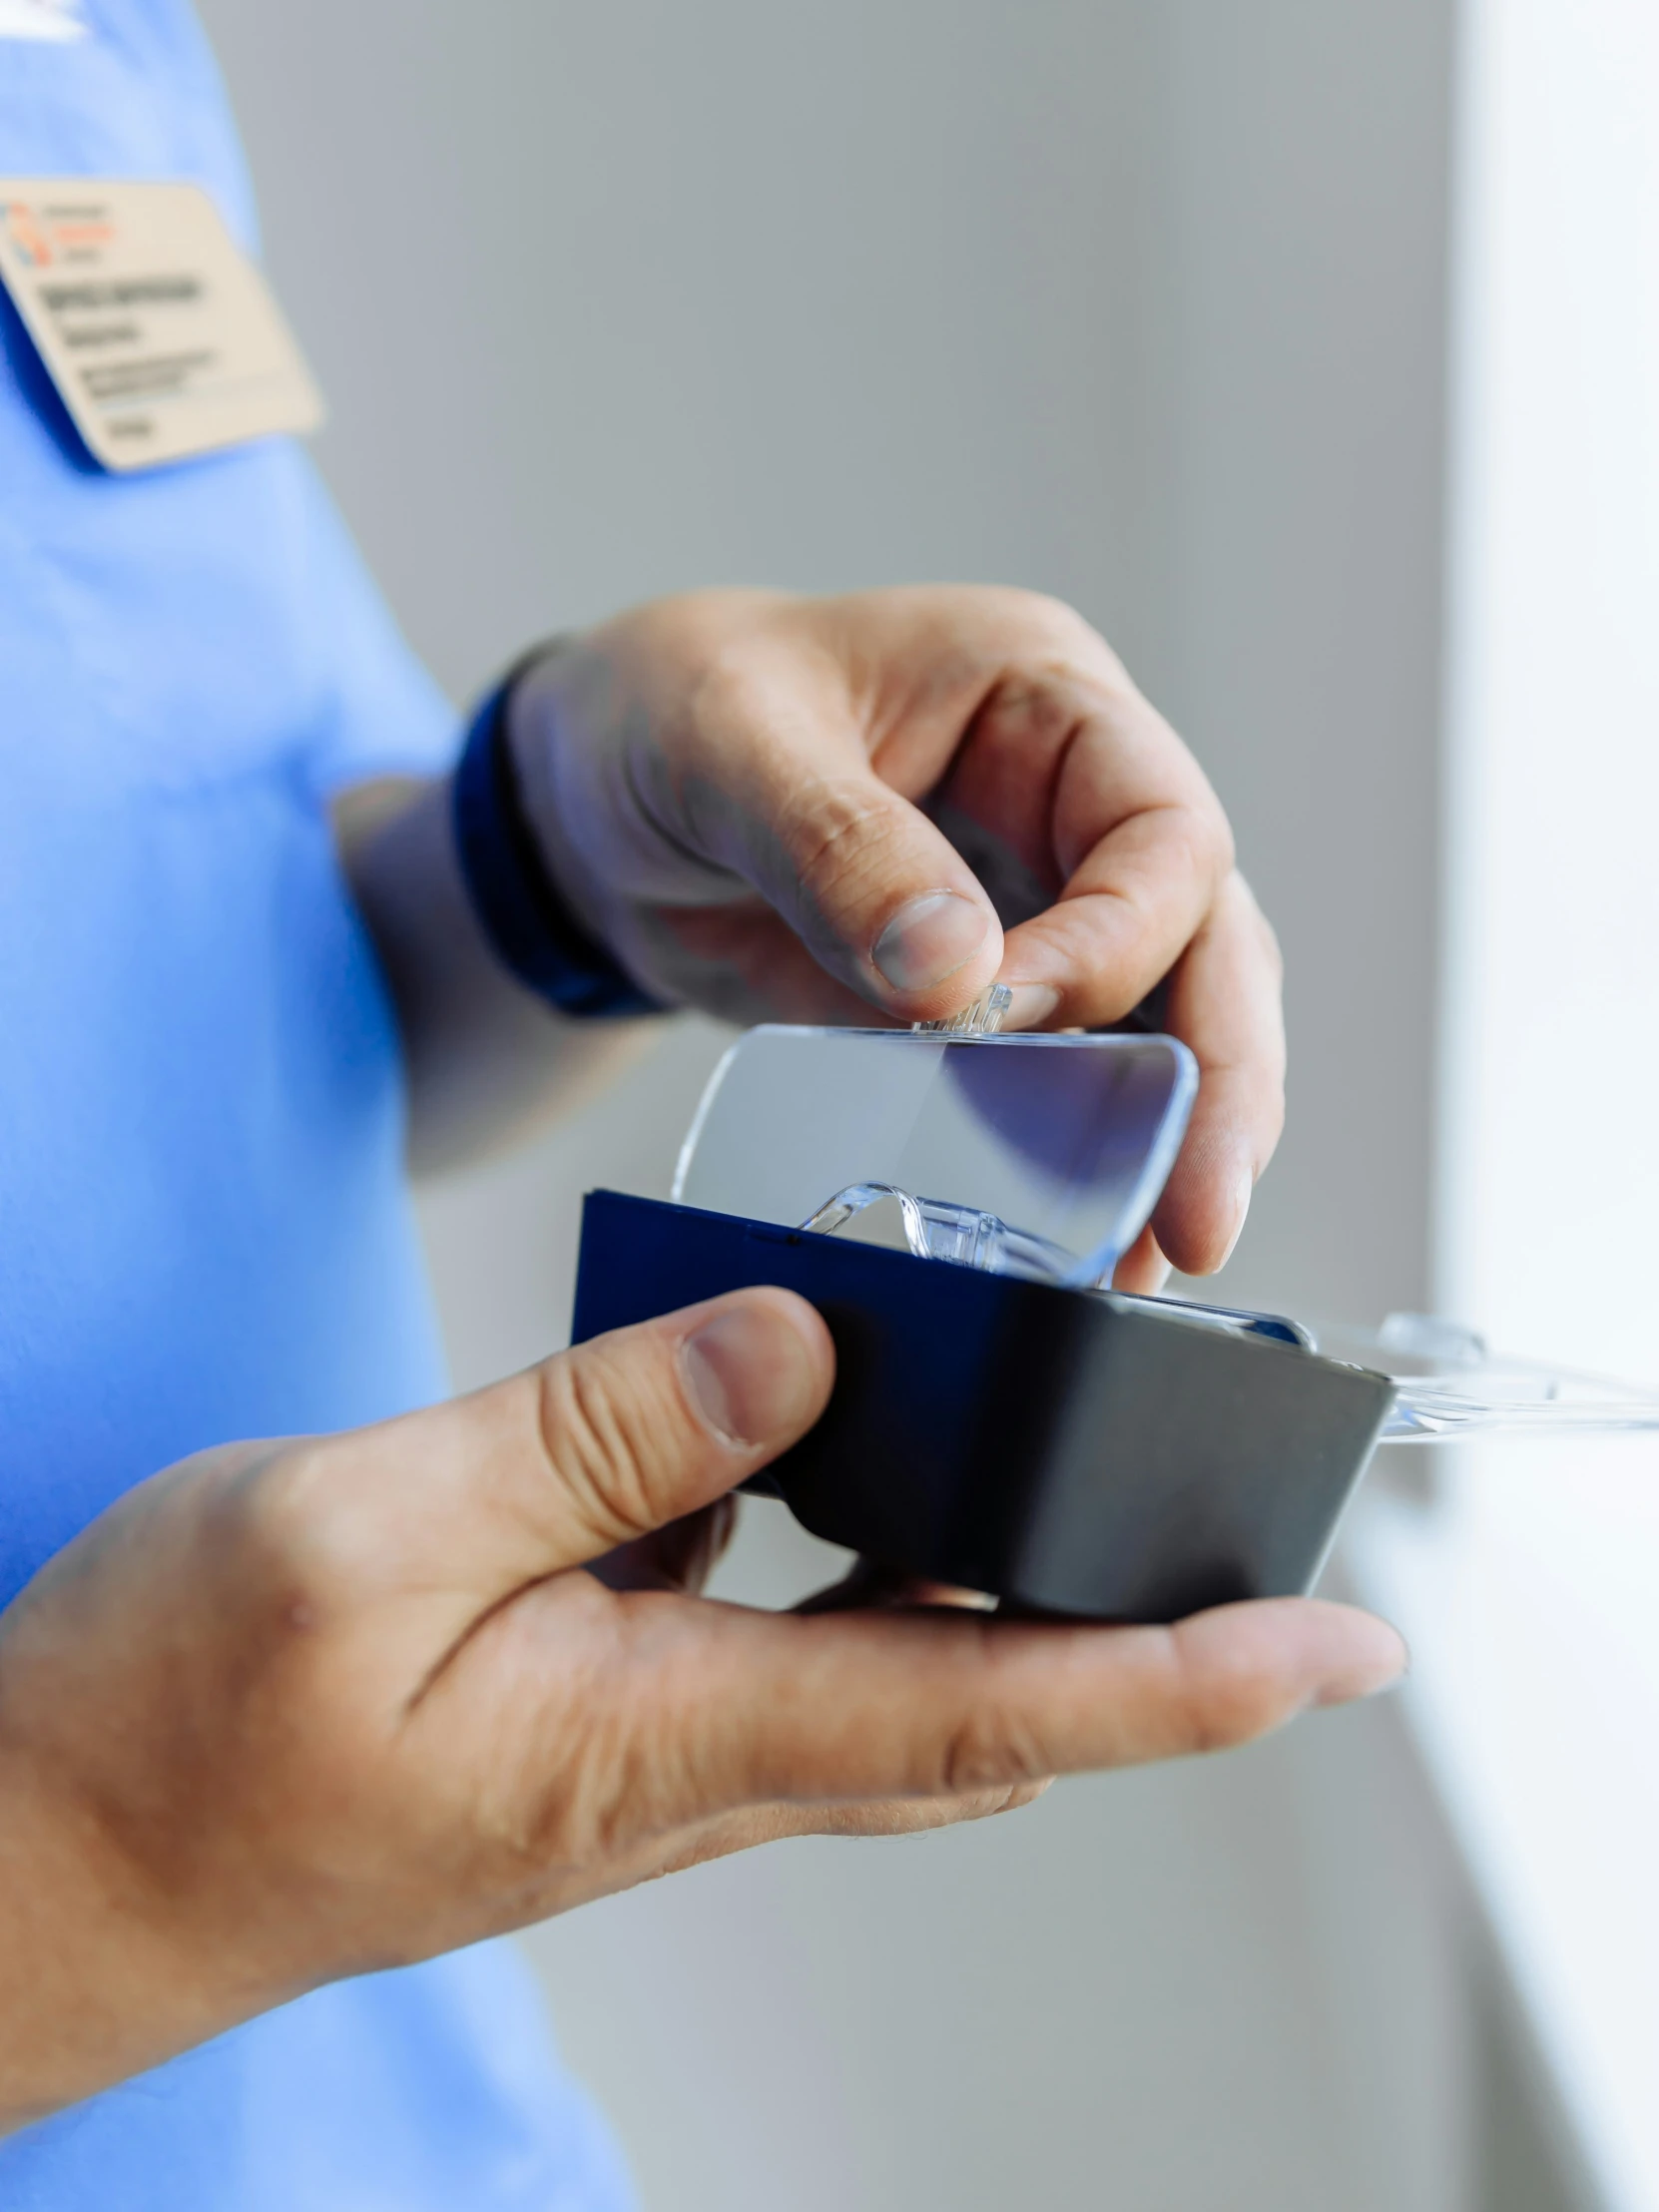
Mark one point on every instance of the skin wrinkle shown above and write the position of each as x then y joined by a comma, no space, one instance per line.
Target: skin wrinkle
793,867
642,1853
586,1441
680,1556
823,858
454,1654
979,1752
634,1785
590,1809
657,1790
808,1689
803,845
851,1822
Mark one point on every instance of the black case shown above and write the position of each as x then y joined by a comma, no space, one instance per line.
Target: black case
1071,1450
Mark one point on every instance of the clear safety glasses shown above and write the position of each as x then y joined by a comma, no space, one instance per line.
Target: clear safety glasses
1042,1157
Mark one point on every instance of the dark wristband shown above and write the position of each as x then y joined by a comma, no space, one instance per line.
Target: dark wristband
519,908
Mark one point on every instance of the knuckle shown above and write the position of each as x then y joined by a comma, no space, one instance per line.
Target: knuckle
1224,1705
1057,624
1205,839
626,1771
1223,845
608,1438
276,1738
1273,953
292,1542
1011,1797
1274,1103
1243,906
992,1754
1210,843
584,1816
1273,960
1031,718
725,689
1168,876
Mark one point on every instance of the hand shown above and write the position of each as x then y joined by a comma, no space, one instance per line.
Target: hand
289,1712
802,810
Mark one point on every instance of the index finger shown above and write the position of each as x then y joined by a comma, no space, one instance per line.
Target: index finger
1092,789
1150,893
1223,1002
851,1706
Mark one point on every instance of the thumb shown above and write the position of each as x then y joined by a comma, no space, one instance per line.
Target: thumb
879,895
906,921
590,1449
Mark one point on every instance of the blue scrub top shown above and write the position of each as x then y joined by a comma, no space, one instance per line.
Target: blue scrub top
204,1227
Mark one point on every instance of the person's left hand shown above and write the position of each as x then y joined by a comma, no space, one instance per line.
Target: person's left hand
802,810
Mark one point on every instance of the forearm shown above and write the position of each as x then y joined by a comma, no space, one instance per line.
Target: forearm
487,1059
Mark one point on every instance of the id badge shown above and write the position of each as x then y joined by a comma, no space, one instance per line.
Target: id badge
161,335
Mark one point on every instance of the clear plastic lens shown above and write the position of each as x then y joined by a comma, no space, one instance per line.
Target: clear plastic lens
1448,1387
1033,1156
1042,1157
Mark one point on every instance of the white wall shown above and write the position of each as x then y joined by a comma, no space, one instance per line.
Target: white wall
1293,299
1540,1700
1138,301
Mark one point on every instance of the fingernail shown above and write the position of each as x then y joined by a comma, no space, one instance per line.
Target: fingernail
752,1375
1031,1005
1373,1656
931,939
1244,1189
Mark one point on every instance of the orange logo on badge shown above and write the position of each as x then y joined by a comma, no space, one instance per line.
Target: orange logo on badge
27,236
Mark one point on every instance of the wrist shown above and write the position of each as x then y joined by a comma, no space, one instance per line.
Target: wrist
542,702
520,880
93,1987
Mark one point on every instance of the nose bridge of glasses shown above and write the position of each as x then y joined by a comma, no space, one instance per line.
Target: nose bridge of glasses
942,1229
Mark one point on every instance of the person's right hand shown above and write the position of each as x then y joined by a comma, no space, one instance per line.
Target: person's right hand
293,1710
